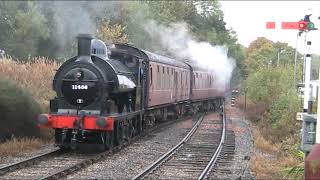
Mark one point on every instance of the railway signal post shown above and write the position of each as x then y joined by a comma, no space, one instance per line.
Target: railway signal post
310,131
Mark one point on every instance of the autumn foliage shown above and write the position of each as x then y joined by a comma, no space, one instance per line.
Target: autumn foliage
270,83
112,33
35,76
25,92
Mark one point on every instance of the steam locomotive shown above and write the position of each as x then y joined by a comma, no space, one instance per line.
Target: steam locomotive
108,94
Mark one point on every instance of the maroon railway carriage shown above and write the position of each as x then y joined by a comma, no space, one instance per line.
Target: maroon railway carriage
169,80
204,85
108,94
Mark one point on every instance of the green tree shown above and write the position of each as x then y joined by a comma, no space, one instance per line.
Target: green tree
265,53
260,53
22,28
111,33
267,84
282,115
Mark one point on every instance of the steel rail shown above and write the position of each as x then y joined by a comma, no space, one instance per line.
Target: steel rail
31,160
78,166
95,158
214,158
164,157
83,163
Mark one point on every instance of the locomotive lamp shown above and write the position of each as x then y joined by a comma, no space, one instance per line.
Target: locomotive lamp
79,75
43,119
101,122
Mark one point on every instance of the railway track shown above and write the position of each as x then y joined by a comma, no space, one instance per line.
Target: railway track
51,167
195,155
27,162
59,163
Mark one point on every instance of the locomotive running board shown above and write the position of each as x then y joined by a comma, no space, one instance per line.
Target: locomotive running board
126,115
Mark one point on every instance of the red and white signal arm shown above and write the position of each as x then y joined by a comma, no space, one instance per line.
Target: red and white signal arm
301,25
270,25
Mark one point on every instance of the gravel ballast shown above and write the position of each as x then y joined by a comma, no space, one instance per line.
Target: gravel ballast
137,156
131,160
238,167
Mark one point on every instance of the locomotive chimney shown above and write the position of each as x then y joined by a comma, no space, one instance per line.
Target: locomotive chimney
84,44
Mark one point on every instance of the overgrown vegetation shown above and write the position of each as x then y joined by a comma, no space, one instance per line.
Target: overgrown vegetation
273,87
19,145
18,111
267,162
272,84
272,95
35,76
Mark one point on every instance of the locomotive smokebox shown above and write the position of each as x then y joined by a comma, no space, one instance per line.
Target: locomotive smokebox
84,47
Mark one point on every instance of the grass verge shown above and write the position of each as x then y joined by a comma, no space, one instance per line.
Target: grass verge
272,158
268,161
15,146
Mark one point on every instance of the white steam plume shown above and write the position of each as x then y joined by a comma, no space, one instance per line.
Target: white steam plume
73,17
177,40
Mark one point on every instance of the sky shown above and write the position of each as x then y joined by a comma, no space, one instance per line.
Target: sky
248,19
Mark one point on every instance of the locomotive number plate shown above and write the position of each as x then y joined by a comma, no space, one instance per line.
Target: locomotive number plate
75,87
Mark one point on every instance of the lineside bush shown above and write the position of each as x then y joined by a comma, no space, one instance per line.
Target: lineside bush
273,86
36,75
18,111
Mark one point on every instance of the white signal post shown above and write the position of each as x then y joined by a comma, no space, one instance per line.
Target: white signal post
307,90
312,151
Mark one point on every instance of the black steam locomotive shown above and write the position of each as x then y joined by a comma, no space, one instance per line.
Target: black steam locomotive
108,94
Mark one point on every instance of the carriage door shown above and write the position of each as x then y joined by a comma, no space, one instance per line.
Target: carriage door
175,89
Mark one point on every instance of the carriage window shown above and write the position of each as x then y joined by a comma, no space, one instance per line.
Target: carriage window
194,80
186,79
151,75
167,70
158,67
163,70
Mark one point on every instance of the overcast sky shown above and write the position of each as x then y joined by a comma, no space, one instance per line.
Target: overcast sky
248,19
